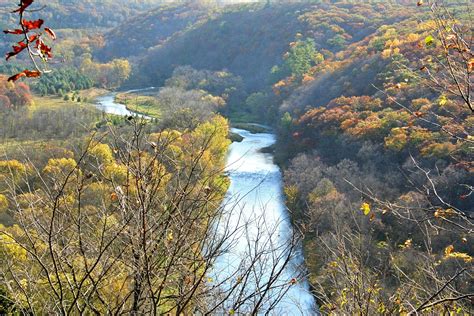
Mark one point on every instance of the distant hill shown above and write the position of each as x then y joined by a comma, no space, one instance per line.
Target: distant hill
71,14
247,40
149,29
86,13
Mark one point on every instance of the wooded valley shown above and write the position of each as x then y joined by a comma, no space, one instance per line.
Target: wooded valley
371,106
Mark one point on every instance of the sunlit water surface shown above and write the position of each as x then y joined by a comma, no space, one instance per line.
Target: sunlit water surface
255,197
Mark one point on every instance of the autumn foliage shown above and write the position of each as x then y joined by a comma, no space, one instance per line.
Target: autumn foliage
32,41
13,95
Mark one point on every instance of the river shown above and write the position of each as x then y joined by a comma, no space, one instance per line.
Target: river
254,208
107,104
255,200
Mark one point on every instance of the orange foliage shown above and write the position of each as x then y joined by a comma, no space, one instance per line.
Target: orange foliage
13,95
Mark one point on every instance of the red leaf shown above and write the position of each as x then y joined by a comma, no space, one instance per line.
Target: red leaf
16,50
10,55
33,38
25,73
31,25
16,31
24,4
16,77
21,46
43,48
32,73
50,32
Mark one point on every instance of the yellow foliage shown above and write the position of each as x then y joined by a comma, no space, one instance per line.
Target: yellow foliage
60,166
366,128
26,200
115,172
462,256
95,193
449,253
412,37
166,137
10,247
291,194
324,193
449,250
418,135
3,203
438,150
11,168
387,53
213,135
397,139
216,100
419,103
427,25
444,213
365,208
109,222
102,153
408,243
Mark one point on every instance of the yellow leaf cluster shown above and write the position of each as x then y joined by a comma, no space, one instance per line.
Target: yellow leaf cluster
10,247
449,253
102,153
444,213
397,139
365,208
407,244
61,165
3,203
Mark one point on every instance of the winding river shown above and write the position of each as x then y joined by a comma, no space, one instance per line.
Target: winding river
107,104
255,201
254,209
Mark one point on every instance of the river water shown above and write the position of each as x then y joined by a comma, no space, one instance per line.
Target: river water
255,201
107,104
255,211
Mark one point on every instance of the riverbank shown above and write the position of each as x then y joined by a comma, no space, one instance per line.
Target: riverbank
253,128
92,94
141,104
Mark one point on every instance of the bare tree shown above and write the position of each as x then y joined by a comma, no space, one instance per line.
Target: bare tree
138,227
450,72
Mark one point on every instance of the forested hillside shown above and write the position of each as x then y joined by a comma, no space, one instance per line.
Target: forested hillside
72,18
383,128
89,13
150,29
248,40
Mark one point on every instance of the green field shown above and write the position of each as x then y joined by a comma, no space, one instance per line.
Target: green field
146,105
